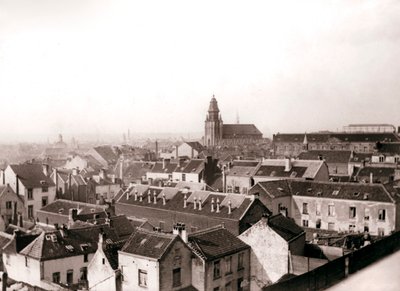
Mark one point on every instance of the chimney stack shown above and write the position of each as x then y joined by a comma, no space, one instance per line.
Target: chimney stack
102,173
184,233
163,199
288,164
217,206
184,201
371,178
136,194
45,168
194,204
140,197
223,180
229,206
199,203
212,204
155,197
156,150
55,178
149,196
72,215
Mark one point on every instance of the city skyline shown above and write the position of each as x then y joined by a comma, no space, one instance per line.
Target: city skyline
105,67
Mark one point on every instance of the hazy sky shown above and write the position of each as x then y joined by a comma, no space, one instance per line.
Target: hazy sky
81,66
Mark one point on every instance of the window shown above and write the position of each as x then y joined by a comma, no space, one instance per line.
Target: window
183,177
366,214
56,277
352,212
331,226
240,261
30,194
30,211
85,258
45,189
103,260
381,159
228,265
142,278
237,189
318,223
176,277
70,277
239,284
305,223
318,209
366,228
8,204
331,210
83,275
244,190
217,269
352,228
382,214
305,208
229,189
381,231
228,286
162,225
44,201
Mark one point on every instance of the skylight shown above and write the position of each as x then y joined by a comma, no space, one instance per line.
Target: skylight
335,192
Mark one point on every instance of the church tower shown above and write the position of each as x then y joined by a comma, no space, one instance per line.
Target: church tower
213,125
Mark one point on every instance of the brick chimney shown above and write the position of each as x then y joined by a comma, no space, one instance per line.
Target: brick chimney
288,164
45,168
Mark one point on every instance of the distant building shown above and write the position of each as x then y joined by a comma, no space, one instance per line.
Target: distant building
221,261
293,144
238,176
107,156
351,128
12,209
337,161
218,133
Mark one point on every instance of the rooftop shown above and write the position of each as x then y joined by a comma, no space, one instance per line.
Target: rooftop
31,175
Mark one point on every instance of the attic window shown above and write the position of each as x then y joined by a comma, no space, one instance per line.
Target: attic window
293,174
42,182
335,192
319,194
356,194
159,245
309,189
109,241
247,173
280,189
273,173
366,195
143,241
61,210
69,248
193,170
92,210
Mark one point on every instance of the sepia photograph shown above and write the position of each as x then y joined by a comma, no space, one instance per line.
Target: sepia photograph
184,145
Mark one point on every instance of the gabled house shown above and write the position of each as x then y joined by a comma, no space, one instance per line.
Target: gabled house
190,149
155,261
273,240
221,261
11,206
32,182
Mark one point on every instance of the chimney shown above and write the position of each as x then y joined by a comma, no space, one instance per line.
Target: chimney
199,203
184,233
102,173
195,202
101,240
113,179
149,196
55,178
17,184
136,194
140,197
223,180
74,171
264,217
229,206
212,204
288,164
155,197
15,214
217,206
176,229
20,221
371,178
176,152
45,168
72,215
121,168
69,186
184,201
156,150
164,163
163,199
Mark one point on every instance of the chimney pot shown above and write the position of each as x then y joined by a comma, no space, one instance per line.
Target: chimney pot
195,202
184,201
199,203
212,204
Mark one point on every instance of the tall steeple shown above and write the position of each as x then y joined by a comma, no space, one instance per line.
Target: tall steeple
213,124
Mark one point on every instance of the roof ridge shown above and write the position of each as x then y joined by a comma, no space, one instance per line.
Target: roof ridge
207,230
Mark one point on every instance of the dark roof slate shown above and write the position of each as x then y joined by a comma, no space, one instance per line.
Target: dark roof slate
31,175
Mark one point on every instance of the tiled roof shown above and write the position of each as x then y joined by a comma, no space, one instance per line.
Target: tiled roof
121,225
136,170
284,226
341,190
195,145
67,243
240,130
111,252
5,238
176,203
243,168
31,175
274,189
107,153
339,137
169,168
299,168
376,172
389,148
328,156
359,157
194,166
214,243
61,206
149,243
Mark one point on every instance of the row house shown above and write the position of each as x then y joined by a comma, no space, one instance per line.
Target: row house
54,259
33,184
293,144
221,260
273,241
198,209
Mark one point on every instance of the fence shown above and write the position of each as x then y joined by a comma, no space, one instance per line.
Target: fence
338,269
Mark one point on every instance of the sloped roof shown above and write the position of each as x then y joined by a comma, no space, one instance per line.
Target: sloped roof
195,145
110,250
376,172
31,175
169,168
274,189
299,169
61,206
149,243
284,226
243,168
136,170
389,148
107,153
194,166
214,243
328,156
240,130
